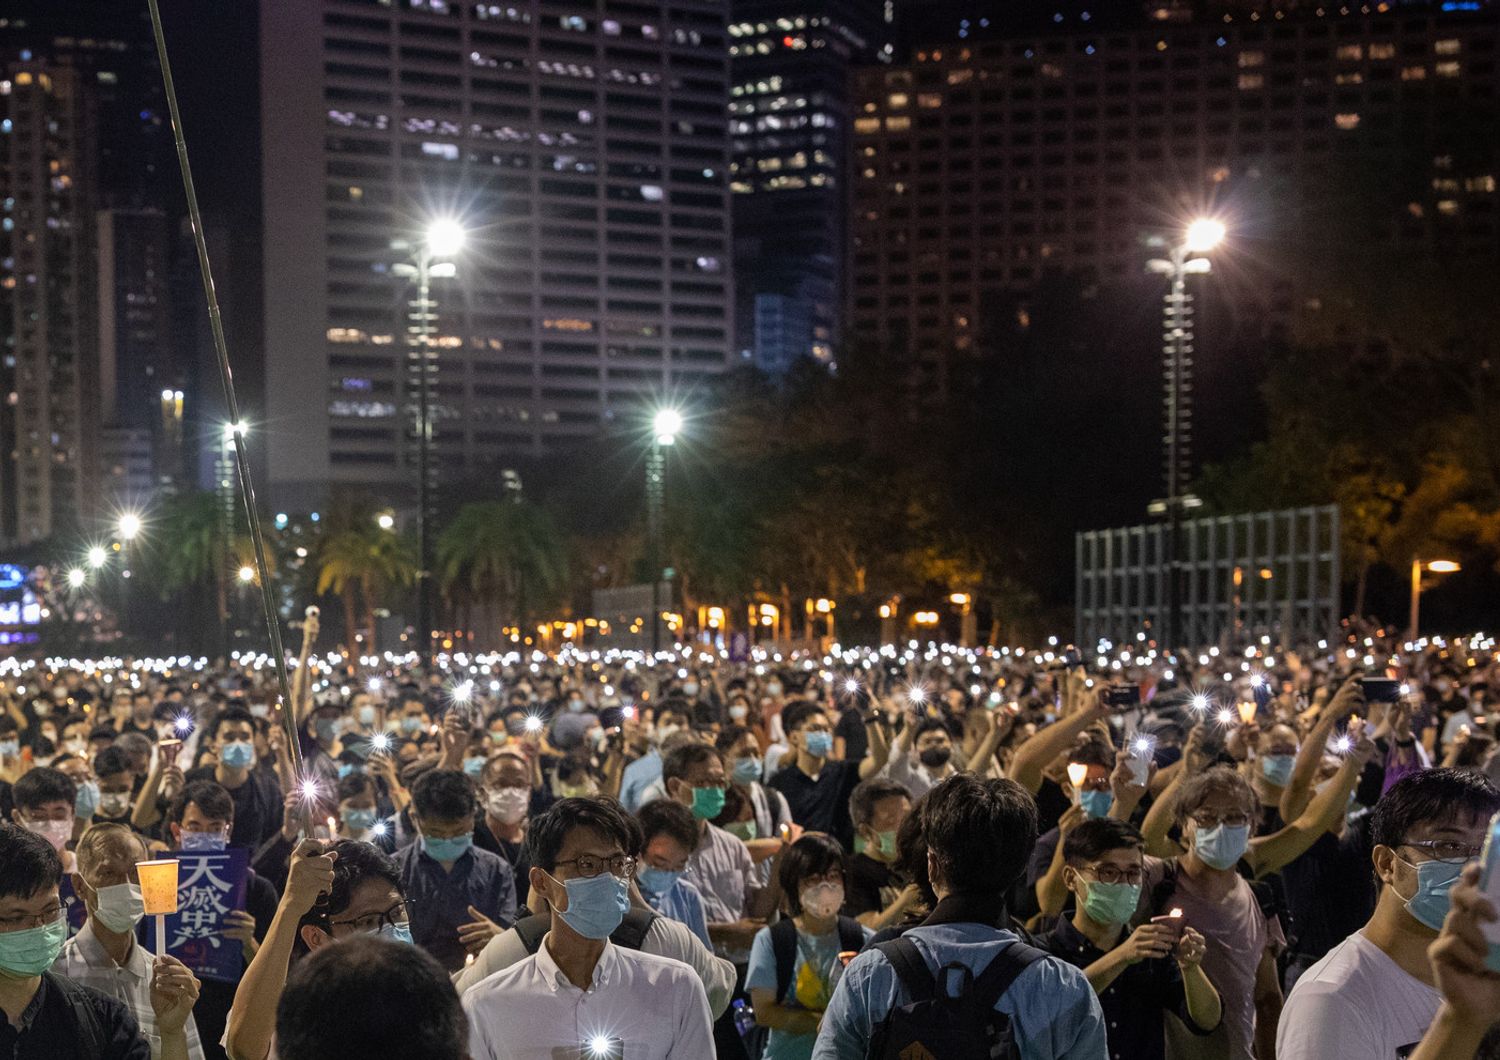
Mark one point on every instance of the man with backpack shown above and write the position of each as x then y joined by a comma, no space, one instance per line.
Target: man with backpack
956,985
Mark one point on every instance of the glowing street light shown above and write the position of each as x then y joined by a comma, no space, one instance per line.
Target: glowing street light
1203,235
130,526
1435,566
98,557
386,521
76,578
445,238
247,574
667,424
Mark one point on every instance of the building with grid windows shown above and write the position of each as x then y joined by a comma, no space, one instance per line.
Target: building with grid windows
585,153
982,165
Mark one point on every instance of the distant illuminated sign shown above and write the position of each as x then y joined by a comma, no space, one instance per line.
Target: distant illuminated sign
11,576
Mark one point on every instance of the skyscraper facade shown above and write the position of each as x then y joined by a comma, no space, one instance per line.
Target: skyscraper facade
586,156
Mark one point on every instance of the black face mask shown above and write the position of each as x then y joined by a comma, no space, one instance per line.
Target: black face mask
935,757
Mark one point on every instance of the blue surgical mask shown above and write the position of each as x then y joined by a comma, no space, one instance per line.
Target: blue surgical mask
86,801
595,905
1434,880
367,715
576,706
745,770
399,932
818,744
359,820
654,880
1095,803
474,765
327,729
1278,768
447,849
197,841
410,724
237,755
1222,846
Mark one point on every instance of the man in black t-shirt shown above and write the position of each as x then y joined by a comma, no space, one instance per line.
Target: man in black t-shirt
257,796
875,894
817,786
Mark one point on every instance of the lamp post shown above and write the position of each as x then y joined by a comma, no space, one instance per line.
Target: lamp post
443,239
665,426
1184,259
129,528
1436,566
228,502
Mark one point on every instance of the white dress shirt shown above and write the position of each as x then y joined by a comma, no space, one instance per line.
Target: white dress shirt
84,961
664,938
532,1011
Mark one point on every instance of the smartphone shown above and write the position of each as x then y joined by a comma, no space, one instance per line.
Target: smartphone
1123,697
602,1047
1261,690
1489,886
1173,920
1381,689
1071,658
1140,763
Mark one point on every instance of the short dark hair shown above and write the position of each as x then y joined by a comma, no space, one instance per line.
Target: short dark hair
235,713
102,732
351,785
390,997
42,785
1094,838
812,855
795,715
980,832
1197,788
676,705
676,763
210,797
110,761
867,793
1431,795
356,862
548,833
929,725
728,736
444,794
1093,752
672,818
28,863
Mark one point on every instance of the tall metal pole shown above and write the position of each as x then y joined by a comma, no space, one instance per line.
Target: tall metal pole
422,358
656,468
1177,349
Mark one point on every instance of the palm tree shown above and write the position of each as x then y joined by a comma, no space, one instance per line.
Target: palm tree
506,554
193,544
365,557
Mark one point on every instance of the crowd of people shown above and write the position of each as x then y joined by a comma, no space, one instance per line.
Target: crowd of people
920,851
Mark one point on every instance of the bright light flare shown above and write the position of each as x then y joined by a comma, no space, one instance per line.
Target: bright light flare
1343,744
667,425
445,237
183,724
533,723
247,574
1204,234
98,557
130,526
1199,703
916,695
75,578
1225,716
1143,746
309,789
380,742
1078,772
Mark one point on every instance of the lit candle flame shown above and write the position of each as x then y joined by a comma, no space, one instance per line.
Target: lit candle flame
1077,774
1247,712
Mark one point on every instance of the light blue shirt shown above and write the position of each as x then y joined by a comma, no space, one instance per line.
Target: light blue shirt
816,954
1052,1008
638,776
683,903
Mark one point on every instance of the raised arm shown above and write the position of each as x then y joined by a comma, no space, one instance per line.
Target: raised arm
1295,797
1033,755
879,753
301,678
1274,852
1158,820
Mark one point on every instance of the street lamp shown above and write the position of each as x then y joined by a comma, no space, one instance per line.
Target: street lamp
386,521
98,557
443,238
76,578
1435,566
665,426
130,526
1201,236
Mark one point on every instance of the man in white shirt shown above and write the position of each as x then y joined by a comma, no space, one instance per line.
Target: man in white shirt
579,995
1374,995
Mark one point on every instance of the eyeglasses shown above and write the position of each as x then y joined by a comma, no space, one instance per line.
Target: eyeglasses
1111,874
1447,850
722,784
1233,820
31,920
400,913
589,866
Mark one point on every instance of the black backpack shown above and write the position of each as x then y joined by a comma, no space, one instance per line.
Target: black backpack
629,935
93,1040
784,946
936,1026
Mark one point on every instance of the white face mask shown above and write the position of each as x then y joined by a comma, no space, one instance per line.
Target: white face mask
55,832
823,900
114,803
119,907
508,805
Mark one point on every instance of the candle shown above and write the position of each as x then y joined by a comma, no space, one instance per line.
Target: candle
1247,712
159,893
1077,774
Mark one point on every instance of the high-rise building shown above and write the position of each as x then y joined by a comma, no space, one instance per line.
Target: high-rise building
789,115
49,418
981,167
586,154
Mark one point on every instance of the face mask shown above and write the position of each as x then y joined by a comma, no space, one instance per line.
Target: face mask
745,770
596,905
1095,803
654,880
359,820
690,688
1110,903
43,710
399,932
818,744
822,900
474,766
447,849
345,768
773,689
327,729
367,715
114,803
210,841
935,757
1278,768
55,832
119,907
1434,880
708,803
10,748
884,846
86,801
742,830
410,725
75,746
738,712
31,952
508,805
1221,846
576,706
237,755
665,732
259,710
